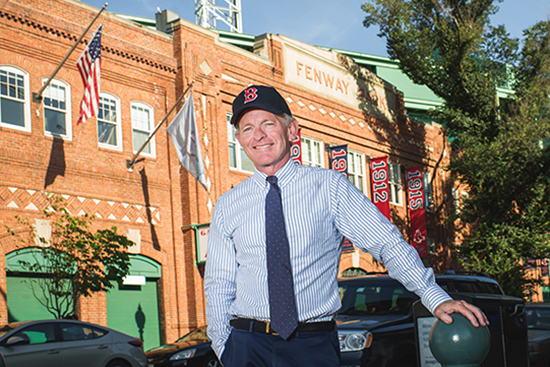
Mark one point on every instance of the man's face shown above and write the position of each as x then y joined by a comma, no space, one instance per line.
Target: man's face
266,139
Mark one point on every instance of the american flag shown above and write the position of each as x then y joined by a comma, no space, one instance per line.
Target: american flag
89,65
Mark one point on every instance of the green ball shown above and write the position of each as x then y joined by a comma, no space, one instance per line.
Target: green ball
459,344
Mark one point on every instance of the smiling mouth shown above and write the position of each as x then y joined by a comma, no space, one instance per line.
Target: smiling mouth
262,146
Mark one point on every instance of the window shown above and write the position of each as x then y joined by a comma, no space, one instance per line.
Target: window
57,109
38,334
142,127
79,332
237,157
109,133
394,171
428,192
312,152
14,99
356,169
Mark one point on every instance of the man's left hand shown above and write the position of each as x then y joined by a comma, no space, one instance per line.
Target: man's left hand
473,313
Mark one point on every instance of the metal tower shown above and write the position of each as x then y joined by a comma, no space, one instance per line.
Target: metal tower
207,14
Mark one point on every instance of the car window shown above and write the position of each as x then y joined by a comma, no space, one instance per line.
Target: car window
538,318
492,288
464,286
443,285
80,332
376,299
38,334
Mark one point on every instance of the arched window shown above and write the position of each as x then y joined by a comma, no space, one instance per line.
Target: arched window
143,124
14,98
109,131
57,109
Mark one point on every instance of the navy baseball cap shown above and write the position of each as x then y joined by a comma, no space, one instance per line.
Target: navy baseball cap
259,96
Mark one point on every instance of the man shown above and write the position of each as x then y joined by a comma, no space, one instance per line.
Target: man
274,248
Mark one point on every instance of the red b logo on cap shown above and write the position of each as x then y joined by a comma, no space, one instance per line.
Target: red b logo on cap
250,94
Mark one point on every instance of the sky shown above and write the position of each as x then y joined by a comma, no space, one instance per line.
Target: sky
329,23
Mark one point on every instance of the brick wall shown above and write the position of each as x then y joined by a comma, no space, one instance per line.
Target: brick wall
159,197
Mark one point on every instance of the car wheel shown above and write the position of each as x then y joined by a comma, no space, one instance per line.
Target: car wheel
118,363
212,362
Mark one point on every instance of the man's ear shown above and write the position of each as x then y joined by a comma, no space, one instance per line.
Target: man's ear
237,135
293,130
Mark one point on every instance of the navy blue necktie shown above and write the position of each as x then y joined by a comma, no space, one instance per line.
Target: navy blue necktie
282,304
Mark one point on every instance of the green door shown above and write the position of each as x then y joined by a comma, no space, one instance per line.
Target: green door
23,305
133,308
23,289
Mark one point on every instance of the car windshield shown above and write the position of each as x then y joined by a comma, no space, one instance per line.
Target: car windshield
538,318
382,298
197,334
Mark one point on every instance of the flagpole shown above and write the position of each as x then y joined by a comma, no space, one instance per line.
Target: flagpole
130,163
37,97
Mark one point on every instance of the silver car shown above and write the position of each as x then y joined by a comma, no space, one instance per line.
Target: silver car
68,343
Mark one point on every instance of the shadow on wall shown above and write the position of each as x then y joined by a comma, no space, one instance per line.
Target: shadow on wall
145,189
56,166
140,321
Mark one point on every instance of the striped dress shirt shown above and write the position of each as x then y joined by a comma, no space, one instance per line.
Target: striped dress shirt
320,206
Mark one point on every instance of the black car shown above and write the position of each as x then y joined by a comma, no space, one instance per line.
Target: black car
376,323
191,350
538,331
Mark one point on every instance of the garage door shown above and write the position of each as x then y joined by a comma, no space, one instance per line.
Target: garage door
22,304
132,308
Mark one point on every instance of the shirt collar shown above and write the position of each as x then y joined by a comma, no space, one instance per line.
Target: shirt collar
284,175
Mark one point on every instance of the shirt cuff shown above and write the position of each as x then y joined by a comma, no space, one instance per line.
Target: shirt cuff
433,297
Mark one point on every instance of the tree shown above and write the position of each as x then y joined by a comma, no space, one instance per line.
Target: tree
74,262
501,145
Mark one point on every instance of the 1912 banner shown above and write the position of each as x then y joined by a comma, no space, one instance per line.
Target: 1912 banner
380,184
339,158
296,148
417,211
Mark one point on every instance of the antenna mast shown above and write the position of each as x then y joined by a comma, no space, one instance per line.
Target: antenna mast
207,14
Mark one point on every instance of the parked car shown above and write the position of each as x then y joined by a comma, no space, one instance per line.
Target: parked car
538,331
376,324
191,350
68,343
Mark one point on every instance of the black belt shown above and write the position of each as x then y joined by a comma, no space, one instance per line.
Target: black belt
265,326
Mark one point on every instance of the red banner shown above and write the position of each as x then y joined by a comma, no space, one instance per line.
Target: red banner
339,158
296,148
380,184
543,267
417,210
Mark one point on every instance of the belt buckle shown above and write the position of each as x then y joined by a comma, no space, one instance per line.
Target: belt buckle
268,329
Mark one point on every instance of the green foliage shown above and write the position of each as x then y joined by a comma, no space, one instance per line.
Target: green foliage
503,156
75,261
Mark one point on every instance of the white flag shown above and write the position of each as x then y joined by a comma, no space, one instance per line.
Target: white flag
183,131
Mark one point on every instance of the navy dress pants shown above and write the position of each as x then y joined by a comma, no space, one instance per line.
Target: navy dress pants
304,349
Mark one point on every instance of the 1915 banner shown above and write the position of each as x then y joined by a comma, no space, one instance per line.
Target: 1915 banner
339,158
417,211
296,148
380,184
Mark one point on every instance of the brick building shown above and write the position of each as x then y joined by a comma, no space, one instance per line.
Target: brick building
158,205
